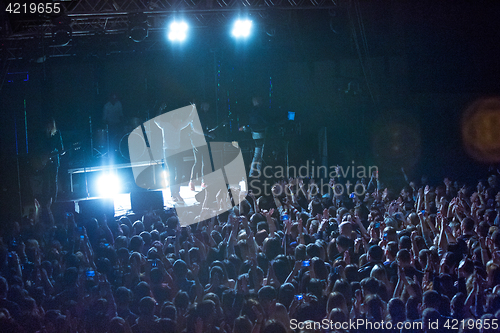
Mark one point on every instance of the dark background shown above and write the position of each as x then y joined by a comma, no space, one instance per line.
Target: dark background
391,91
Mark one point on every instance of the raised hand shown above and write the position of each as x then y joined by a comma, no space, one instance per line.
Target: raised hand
357,244
276,190
356,219
452,204
384,194
421,192
427,190
324,224
288,227
392,207
325,214
347,257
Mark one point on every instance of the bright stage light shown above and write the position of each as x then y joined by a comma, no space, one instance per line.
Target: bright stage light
108,185
178,31
165,179
242,28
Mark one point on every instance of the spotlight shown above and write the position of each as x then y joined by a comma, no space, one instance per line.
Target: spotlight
108,185
178,31
165,179
242,28
61,32
138,27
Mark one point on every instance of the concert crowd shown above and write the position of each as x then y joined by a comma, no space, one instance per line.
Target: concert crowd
425,258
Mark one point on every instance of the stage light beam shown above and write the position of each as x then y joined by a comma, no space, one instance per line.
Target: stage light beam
178,31
242,28
108,185
165,178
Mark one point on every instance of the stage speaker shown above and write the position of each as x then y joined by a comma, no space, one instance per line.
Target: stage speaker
146,200
60,208
96,208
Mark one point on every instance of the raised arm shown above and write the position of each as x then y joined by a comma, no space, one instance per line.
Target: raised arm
425,230
294,272
270,221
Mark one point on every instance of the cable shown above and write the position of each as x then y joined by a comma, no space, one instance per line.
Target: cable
360,55
365,41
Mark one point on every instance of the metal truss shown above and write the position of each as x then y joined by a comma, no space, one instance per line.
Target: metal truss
155,6
110,17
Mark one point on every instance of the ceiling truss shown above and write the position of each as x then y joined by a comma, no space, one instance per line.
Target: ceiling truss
90,18
87,16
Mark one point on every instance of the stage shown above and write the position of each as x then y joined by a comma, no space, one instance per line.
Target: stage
125,204
136,187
